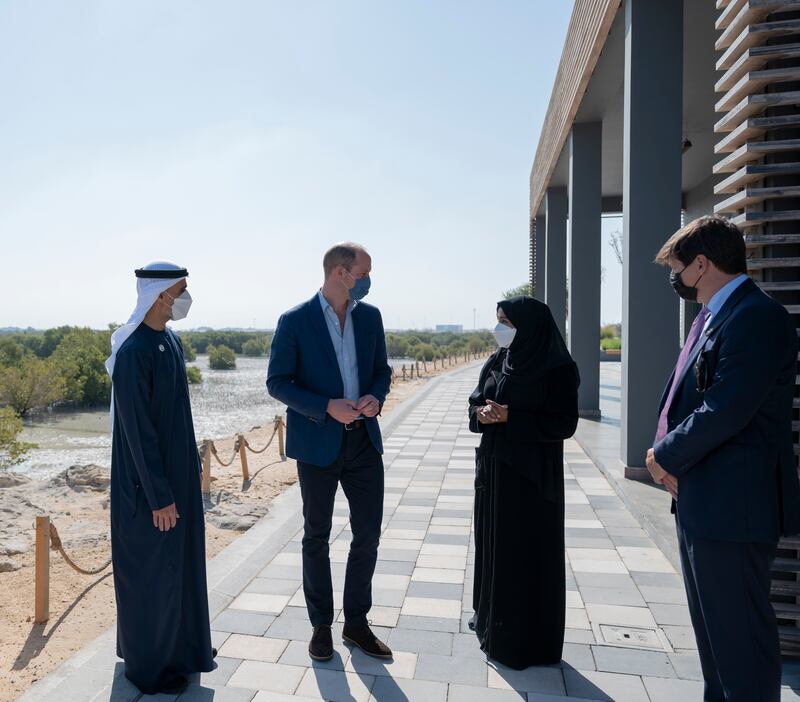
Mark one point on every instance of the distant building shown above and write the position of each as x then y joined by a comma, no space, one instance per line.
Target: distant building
457,328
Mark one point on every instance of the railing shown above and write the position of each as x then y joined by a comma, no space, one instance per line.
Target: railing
240,447
420,368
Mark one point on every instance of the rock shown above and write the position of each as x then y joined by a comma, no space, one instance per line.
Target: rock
84,478
8,566
12,546
8,480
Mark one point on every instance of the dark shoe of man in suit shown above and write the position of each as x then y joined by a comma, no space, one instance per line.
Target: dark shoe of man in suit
363,637
724,450
328,365
320,648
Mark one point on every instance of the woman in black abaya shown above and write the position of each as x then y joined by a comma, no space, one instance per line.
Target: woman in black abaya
525,406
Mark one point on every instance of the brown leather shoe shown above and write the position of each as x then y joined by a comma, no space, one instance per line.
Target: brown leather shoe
320,648
363,637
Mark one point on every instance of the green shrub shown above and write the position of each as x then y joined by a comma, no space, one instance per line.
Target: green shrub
610,331
253,348
12,451
189,352
80,357
193,375
32,384
221,358
425,352
611,344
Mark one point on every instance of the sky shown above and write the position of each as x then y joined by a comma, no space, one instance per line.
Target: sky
241,139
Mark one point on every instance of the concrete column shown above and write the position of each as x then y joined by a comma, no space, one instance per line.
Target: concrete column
555,285
585,198
651,197
540,266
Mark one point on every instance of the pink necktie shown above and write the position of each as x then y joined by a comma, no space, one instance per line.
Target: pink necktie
688,347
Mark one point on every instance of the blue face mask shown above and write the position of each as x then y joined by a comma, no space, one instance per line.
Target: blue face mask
360,289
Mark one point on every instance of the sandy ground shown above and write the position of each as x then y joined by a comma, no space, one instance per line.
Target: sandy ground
82,607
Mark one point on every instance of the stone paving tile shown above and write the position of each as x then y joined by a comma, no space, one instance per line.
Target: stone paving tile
241,622
432,666
419,641
665,690
620,615
444,591
296,653
215,693
335,686
612,659
665,595
611,595
467,645
402,664
468,693
608,687
676,614
254,648
400,690
274,677
681,637
533,679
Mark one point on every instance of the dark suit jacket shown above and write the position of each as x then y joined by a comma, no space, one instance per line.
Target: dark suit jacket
730,443
304,374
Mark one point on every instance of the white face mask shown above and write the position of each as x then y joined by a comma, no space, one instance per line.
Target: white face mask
181,305
504,335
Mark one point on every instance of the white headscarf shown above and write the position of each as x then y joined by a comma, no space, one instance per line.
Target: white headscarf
147,290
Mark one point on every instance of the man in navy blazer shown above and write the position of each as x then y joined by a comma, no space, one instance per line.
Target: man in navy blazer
724,450
328,365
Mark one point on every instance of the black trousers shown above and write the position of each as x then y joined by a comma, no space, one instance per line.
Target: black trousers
359,469
727,586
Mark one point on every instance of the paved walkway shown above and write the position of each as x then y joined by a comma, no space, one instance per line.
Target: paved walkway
628,629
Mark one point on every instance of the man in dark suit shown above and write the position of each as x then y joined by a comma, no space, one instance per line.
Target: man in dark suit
724,450
328,365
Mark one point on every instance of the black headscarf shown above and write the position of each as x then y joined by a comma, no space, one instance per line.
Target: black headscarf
538,346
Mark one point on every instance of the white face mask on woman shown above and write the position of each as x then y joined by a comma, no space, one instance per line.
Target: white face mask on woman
504,335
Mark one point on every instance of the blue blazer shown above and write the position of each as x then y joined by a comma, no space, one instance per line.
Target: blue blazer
730,442
304,374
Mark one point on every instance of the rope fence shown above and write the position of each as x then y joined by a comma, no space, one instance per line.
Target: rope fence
47,539
420,368
240,447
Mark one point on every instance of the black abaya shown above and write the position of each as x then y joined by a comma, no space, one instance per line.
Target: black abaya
519,591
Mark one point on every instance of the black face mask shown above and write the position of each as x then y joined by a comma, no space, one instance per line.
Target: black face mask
686,292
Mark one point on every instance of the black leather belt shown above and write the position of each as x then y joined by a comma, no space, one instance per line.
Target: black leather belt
353,426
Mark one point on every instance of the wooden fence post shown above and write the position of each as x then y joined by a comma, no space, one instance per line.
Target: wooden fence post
243,458
206,481
281,448
42,588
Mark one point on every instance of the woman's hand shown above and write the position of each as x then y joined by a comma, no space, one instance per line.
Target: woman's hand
493,413
483,415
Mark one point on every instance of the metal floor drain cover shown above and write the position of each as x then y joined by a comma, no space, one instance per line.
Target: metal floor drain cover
631,636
